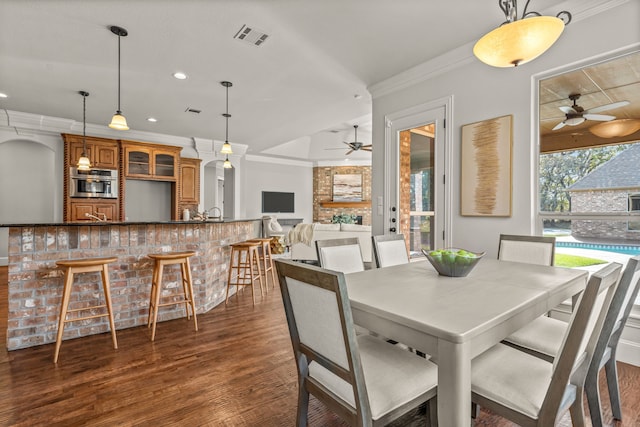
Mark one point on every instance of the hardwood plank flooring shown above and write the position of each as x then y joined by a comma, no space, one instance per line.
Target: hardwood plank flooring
237,370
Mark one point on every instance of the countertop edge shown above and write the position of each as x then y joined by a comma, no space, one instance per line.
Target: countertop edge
125,223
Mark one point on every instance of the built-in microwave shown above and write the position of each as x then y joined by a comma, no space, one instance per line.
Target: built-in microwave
93,183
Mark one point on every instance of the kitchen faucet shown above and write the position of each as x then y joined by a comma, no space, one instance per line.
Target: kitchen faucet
219,216
96,217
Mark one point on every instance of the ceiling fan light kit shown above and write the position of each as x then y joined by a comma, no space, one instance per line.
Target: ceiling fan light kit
616,128
518,41
118,121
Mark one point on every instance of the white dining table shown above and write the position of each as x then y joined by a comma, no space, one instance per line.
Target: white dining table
454,319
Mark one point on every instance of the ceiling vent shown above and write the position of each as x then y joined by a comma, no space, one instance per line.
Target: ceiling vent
192,110
251,35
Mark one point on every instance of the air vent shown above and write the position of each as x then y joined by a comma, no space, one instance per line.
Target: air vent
192,110
251,35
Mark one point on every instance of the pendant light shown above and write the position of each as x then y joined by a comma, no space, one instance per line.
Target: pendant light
518,41
84,164
226,147
118,122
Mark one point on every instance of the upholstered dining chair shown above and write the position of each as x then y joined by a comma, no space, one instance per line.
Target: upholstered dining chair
534,392
342,255
529,249
364,380
389,249
543,338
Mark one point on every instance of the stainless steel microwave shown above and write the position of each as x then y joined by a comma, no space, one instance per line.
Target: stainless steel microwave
100,183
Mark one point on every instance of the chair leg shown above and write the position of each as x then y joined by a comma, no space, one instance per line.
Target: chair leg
229,275
303,405
611,370
64,305
593,398
577,409
157,301
189,286
432,410
107,296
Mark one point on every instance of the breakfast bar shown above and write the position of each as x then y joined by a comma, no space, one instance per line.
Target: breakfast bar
36,283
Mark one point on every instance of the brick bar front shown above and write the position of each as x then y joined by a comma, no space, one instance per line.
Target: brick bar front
35,282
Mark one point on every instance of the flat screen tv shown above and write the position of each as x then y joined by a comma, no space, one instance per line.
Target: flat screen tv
278,202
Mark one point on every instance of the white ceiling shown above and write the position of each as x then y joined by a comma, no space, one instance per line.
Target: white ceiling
309,77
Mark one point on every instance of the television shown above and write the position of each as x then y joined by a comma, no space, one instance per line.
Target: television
278,202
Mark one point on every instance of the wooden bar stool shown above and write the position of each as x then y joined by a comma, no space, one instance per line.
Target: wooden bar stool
244,260
169,258
77,266
267,261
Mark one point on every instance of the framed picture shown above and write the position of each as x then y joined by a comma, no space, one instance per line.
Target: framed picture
347,188
485,177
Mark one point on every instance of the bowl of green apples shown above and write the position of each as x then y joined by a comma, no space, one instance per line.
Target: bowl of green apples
453,262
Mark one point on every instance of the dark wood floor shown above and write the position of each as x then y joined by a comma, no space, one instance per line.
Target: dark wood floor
238,370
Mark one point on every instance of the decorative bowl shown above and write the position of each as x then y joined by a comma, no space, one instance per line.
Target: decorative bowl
453,262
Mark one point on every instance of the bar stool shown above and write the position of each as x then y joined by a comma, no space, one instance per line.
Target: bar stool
267,261
170,258
77,266
244,259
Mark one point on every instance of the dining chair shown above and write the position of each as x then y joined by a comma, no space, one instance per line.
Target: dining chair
529,249
531,391
364,380
542,338
389,249
342,255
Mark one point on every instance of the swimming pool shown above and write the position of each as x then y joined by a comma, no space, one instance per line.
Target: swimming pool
620,249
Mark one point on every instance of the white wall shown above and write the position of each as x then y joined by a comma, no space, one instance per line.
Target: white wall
483,92
267,174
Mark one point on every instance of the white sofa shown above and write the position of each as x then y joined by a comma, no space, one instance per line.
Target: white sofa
307,252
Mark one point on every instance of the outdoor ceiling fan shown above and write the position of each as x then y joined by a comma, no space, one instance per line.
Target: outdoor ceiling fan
575,114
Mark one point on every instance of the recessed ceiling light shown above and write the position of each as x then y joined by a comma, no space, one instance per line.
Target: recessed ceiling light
180,75
3,95
152,119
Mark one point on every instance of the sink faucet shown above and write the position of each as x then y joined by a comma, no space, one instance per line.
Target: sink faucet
208,211
96,217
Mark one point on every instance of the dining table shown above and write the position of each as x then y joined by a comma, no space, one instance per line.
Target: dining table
454,319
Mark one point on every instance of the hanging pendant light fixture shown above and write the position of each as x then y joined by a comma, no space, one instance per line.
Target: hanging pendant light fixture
84,164
226,147
518,41
118,121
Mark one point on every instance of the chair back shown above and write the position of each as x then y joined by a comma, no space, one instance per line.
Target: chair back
323,337
390,249
574,352
342,255
527,249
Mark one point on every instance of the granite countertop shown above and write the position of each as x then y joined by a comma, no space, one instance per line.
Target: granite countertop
99,223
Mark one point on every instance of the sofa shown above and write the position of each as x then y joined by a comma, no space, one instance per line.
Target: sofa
302,239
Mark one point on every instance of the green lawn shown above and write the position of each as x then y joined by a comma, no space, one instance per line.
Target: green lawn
566,260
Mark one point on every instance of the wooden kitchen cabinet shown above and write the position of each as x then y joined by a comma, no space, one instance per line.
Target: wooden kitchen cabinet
101,208
150,161
102,152
189,183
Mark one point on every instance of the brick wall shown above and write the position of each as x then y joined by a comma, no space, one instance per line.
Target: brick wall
35,283
598,202
323,192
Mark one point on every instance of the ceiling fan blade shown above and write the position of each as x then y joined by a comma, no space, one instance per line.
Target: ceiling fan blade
558,126
335,148
607,107
349,152
348,143
568,110
367,148
599,117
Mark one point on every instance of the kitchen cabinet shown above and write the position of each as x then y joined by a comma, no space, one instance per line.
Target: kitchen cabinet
150,161
189,183
104,209
102,152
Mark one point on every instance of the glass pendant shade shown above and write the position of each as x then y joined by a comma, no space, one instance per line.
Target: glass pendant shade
616,128
227,163
118,122
226,148
518,42
83,163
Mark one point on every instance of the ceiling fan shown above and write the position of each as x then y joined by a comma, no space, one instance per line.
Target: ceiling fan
576,115
355,145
